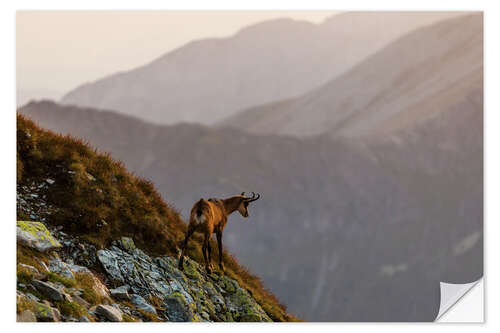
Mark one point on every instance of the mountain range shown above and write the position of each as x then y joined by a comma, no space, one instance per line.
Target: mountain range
208,80
410,80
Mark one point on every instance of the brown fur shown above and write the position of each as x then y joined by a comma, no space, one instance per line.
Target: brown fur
209,217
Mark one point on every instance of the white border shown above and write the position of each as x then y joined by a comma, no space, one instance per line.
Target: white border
492,133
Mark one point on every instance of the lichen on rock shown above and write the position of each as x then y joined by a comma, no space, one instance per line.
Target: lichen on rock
127,244
35,235
143,287
187,295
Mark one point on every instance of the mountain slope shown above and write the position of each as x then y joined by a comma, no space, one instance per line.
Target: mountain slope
342,226
96,199
210,79
422,73
70,282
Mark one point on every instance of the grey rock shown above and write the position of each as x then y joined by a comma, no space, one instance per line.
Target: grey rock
26,316
67,297
59,267
120,293
32,297
110,263
205,316
45,312
56,314
48,290
218,302
177,308
84,319
25,238
35,235
141,303
44,266
79,269
31,269
92,310
127,244
81,301
109,312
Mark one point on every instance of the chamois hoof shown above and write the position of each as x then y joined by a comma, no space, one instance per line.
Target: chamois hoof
209,270
221,266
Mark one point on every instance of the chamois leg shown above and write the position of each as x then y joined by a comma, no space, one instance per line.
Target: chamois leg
209,252
219,242
189,232
206,256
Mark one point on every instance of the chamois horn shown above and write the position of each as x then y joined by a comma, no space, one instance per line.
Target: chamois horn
253,198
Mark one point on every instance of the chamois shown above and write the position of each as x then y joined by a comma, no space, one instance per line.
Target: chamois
210,216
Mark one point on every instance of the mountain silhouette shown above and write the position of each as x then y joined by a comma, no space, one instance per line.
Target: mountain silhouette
412,79
210,79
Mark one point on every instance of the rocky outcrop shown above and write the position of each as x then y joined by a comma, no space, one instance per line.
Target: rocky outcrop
120,293
48,290
191,295
37,311
141,303
35,235
141,287
44,312
26,316
109,312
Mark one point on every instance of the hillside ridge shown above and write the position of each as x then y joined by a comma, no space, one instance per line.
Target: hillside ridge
76,191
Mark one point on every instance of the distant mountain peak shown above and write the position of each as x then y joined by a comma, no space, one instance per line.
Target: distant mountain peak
208,80
421,73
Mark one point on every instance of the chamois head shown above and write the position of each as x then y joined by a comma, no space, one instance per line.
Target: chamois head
243,207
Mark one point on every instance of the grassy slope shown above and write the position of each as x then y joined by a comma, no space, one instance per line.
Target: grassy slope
91,188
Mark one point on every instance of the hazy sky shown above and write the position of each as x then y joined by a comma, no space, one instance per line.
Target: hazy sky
59,50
